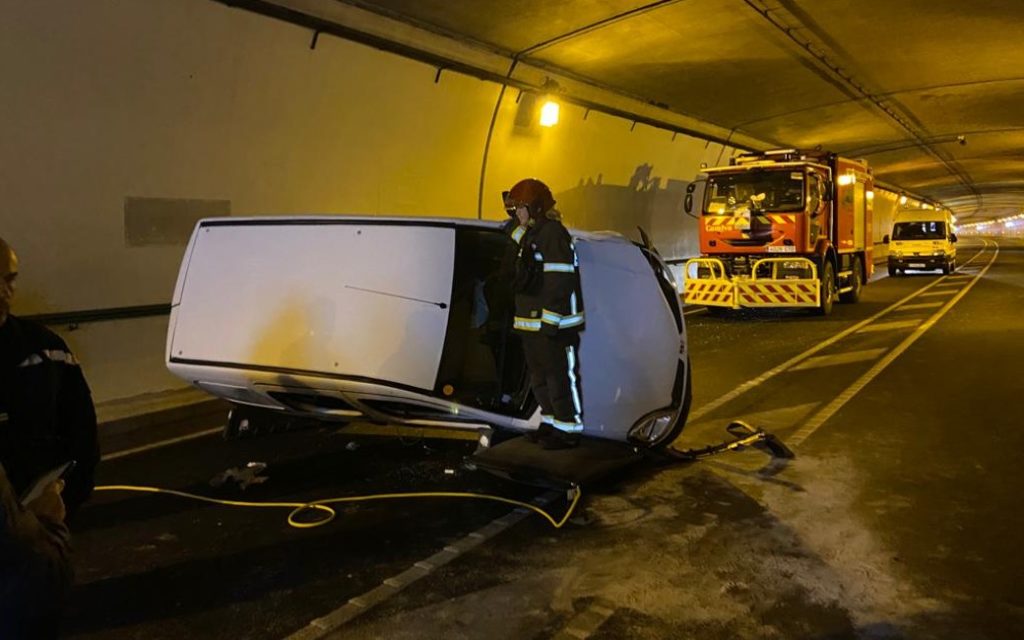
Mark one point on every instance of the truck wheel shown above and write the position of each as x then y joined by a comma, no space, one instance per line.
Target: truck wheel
856,281
946,268
892,271
828,289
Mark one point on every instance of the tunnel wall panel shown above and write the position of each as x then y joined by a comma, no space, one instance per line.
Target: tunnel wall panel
109,102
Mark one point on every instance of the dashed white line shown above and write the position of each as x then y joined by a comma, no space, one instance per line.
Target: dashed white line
828,411
788,364
890,326
586,623
162,443
921,305
839,358
356,606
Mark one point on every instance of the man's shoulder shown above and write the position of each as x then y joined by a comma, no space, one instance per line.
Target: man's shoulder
36,335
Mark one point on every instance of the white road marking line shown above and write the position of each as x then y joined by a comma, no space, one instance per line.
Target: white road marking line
921,305
162,443
839,358
891,326
334,620
587,622
785,366
822,416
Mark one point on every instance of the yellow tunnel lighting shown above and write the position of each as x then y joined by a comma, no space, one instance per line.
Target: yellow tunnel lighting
903,199
845,180
549,114
870,195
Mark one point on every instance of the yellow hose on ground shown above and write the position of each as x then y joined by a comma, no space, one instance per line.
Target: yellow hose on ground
321,505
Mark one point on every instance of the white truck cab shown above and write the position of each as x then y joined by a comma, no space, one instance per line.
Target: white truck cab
921,239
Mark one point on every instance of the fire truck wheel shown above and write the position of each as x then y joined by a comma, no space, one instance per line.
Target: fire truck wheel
828,289
856,281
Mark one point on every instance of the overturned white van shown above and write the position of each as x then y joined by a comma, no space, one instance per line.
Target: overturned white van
408,321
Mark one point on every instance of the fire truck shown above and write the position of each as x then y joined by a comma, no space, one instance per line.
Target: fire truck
782,228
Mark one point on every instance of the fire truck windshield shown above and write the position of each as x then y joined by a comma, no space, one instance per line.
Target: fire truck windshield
754,190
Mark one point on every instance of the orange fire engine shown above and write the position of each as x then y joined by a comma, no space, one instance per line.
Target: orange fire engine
782,228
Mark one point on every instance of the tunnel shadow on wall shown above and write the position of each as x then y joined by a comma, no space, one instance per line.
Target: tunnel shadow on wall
594,205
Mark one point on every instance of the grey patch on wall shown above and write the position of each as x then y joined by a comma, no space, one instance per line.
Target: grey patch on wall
166,221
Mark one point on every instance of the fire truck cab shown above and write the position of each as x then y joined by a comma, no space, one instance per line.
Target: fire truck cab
782,228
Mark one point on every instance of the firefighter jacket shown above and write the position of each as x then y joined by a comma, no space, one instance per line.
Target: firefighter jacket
548,297
35,568
46,411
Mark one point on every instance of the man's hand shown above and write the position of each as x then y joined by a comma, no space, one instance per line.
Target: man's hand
49,505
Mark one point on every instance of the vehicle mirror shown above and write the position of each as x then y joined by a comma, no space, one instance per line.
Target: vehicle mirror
646,239
952,237
885,239
688,200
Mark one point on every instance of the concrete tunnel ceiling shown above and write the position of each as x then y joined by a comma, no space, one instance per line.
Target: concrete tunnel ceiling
893,81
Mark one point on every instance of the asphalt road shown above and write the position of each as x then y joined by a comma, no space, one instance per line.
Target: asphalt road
897,519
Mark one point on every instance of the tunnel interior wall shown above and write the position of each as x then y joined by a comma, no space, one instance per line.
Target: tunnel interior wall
124,121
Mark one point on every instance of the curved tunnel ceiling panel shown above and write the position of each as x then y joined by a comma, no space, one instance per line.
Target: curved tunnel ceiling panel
943,67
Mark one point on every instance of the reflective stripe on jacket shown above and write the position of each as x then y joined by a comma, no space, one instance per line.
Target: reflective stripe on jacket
554,300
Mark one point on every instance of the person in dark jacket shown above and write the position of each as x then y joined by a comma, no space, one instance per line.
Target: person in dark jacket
46,412
548,311
35,572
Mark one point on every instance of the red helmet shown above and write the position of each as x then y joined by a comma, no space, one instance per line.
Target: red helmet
533,193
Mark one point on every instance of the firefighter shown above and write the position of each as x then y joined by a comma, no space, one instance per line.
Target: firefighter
46,412
548,311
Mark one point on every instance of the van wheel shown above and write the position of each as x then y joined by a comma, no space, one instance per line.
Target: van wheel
946,268
892,272
856,281
828,289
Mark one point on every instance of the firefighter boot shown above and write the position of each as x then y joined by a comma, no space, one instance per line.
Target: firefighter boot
558,439
542,431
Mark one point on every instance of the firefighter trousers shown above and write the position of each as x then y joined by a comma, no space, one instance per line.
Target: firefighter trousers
554,367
